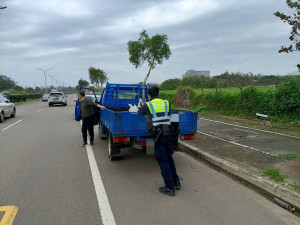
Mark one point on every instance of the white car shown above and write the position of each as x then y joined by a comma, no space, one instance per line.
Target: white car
7,108
57,98
45,97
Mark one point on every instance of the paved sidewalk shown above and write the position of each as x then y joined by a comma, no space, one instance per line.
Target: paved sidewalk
246,163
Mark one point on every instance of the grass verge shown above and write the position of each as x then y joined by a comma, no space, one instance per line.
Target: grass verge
289,156
274,174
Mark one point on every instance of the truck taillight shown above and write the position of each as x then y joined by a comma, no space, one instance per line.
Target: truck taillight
142,143
189,137
120,139
63,96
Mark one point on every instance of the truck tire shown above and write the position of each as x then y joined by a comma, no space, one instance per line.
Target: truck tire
102,135
113,149
14,113
1,117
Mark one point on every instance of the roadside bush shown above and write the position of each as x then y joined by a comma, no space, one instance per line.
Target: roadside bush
281,104
248,100
168,95
195,98
222,101
22,97
287,99
265,102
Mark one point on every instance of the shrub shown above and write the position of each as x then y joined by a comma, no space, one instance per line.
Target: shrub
287,99
248,100
221,101
22,97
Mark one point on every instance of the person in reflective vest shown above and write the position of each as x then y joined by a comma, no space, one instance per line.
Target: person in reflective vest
159,112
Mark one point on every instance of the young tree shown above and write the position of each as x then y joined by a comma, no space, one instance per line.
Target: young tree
294,22
97,76
153,50
82,83
103,78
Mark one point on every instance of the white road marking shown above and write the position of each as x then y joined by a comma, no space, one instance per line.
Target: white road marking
39,110
11,125
104,206
266,131
232,142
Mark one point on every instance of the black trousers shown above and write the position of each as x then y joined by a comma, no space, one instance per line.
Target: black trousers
88,125
163,150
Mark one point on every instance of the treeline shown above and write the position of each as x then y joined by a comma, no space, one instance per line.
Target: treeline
227,79
6,83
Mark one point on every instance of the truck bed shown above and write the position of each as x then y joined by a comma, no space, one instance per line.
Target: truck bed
128,124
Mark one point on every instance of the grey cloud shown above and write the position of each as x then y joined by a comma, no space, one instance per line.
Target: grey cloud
233,35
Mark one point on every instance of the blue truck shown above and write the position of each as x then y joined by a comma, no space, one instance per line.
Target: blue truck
125,129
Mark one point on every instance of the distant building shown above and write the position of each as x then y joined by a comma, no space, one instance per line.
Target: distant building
205,73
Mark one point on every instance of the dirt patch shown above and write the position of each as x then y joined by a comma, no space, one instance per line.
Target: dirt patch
291,167
182,98
237,133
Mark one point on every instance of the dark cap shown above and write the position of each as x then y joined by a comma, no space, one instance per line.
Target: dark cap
82,92
153,91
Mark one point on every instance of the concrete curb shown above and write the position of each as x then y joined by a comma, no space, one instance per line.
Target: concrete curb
267,186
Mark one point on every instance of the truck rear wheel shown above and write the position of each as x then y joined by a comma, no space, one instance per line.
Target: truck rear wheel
113,149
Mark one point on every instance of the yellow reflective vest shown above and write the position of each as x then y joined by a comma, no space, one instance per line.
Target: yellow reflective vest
160,111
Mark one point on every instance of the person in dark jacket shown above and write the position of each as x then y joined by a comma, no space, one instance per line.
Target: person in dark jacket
87,112
158,111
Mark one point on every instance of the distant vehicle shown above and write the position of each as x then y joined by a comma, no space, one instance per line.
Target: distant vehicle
45,97
7,108
57,98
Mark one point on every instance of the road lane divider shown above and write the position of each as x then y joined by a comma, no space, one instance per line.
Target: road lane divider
40,110
249,128
10,213
244,146
103,202
12,125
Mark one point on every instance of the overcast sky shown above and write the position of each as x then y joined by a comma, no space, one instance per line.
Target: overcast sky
70,36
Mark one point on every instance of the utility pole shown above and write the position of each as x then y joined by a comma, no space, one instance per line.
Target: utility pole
56,83
44,71
52,78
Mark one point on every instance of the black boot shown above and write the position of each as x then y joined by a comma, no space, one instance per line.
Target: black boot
177,185
167,191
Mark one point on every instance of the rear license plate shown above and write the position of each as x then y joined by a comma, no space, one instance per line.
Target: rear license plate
55,99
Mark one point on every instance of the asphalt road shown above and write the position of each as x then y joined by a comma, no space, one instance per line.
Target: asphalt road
269,142
47,175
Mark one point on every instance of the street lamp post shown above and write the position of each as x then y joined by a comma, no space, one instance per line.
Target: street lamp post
45,75
56,83
52,78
